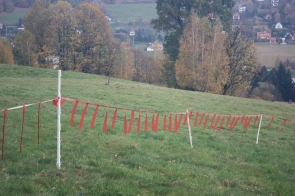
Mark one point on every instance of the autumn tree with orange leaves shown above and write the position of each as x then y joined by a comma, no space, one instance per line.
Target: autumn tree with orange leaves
202,63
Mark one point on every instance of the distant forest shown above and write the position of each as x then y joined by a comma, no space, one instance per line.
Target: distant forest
9,5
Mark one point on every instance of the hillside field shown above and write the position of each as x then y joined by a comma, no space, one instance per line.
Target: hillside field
228,162
12,18
268,53
132,12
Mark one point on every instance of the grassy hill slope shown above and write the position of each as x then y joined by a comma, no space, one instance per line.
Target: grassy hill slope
132,12
145,163
12,18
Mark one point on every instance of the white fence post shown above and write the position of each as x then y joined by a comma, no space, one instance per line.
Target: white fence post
58,120
189,129
258,129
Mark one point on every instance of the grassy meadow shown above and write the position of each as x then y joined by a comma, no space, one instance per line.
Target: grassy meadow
132,12
146,163
268,53
12,18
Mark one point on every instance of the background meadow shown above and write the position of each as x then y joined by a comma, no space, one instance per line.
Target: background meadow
145,163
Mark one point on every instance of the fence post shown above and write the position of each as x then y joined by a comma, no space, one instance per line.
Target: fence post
258,129
189,129
58,120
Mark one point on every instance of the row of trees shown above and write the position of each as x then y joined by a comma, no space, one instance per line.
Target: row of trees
273,85
284,13
82,40
206,58
9,5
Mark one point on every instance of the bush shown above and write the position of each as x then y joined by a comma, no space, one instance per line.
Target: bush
261,40
264,91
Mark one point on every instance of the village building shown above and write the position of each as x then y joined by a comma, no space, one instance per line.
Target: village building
268,17
278,26
236,16
275,2
263,35
266,36
242,8
156,46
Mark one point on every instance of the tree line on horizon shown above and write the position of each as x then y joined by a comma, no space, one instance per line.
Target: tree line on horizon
82,40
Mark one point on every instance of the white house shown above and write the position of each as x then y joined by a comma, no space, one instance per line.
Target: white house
149,49
109,19
278,26
156,46
242,8
53,60
275,2
236,16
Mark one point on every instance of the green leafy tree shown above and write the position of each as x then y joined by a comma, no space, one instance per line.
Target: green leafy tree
260,76
1,6
284,83
21,3
62,38
173,15
250,9
242,61
8,6
265,91
95,39
24,49
37,22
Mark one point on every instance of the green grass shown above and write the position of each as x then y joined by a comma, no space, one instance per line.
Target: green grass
12,18
268,53
132,12
145,163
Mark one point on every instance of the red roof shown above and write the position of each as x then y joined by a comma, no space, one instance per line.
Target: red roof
272,39
263,35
